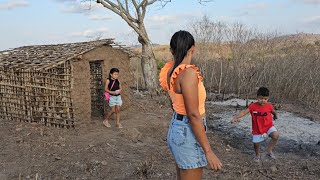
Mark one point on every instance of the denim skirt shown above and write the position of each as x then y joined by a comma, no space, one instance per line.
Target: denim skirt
115,101
183,144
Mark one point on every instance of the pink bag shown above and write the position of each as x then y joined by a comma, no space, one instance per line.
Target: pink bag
106,94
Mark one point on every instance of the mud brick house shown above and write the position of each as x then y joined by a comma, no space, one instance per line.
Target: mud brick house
59,85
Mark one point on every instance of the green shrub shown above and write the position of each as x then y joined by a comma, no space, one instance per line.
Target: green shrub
160,64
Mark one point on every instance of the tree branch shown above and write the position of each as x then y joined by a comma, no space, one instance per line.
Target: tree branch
147,3
122,8
119,9
151,2
135,4
144,10
125,15
144,5
137,7
126,11
127,6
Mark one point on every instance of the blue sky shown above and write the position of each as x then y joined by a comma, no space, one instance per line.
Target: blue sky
31,22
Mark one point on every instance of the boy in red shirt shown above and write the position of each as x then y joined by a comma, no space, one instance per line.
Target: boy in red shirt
262,114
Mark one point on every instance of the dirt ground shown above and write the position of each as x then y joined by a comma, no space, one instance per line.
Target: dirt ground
139,151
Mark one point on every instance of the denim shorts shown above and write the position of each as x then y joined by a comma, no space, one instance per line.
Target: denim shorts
261,137
183,144
115,100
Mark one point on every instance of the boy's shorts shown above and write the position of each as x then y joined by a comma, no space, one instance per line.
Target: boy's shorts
183,144
261,137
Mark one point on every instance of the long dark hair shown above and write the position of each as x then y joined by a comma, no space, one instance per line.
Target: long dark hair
113,70
180,43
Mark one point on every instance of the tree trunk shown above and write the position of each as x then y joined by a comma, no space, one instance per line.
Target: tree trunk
148,60
149,68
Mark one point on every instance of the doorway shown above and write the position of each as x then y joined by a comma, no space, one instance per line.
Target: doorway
97,89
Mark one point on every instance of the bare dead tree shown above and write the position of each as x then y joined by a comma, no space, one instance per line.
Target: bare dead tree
133,12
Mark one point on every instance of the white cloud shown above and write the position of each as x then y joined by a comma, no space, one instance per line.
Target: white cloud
79,7
13,4
248,9
162,22
225,18
161,27
164,19
241,14
75,8
312,20
256,6
310,2
170,19
66,0
99,18
91,32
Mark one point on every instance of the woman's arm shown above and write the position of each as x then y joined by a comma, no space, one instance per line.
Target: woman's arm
189,88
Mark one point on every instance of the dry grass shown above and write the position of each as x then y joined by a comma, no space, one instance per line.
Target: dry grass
161,52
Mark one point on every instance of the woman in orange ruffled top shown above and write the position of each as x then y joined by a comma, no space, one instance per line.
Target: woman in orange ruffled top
187,139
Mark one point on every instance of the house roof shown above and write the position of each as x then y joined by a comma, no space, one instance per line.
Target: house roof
44,56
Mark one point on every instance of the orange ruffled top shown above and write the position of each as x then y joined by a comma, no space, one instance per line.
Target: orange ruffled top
177,99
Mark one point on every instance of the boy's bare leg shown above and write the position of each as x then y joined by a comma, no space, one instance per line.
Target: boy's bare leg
257,149
191,174
274,139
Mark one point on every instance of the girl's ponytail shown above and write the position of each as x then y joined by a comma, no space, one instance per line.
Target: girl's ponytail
180,43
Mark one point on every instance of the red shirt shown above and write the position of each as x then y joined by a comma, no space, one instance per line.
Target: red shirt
261,117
